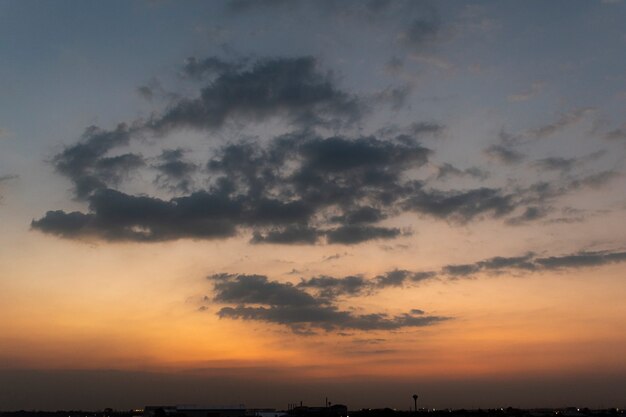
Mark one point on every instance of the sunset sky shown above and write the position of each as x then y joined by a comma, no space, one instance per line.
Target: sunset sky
266,201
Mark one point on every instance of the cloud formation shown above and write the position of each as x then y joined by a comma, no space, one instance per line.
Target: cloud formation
4,179
299,188
355,285
563,121
292,88
174,172
313,303
303,187
86,163
505,154
256,298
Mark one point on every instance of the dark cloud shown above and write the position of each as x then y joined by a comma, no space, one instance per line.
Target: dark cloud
505,151
69,225
533,263
116,216
296,189
360,215
328,318
400,277
313,303
174,172
257,289
331,287
448,170
254,297
335,187
352,234
516,262
85,162
288,235
581,260
292,88
504,154
461,206
556,164
419,129
395,278
461,270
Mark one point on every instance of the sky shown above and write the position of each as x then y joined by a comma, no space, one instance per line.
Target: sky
272,201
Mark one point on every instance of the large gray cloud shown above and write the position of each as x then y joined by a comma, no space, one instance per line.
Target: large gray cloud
359,180
313,303
462,205
255,297
297,188
117,216
87,165
293,88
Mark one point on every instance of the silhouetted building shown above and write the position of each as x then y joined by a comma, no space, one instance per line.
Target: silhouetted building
265,412
336,410
193,411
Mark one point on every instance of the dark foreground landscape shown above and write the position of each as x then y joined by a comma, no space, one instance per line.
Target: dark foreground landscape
330,411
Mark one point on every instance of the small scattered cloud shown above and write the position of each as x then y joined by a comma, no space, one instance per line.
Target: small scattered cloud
555,164
531,262
3,180
616,134
563,121
422,31
535,89
504,154
446,171
595,181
